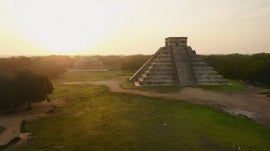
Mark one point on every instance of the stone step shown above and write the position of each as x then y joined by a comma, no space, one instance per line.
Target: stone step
164,56
156,80
211,80
209,76
161,68
162,61
157,83
208,72
166,70
212,83
161,78
171,73
199,64
161,65
224,82
196,69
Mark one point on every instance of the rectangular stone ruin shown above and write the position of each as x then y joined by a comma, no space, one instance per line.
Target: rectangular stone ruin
176,64
88,64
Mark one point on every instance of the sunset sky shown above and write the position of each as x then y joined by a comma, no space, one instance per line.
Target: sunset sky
43,27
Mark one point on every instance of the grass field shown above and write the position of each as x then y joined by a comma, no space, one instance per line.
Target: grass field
162,89
93,118
234,86
94,76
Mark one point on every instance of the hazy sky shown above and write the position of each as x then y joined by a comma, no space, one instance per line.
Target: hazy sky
41,27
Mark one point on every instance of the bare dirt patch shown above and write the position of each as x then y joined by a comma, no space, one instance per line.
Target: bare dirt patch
248,103
12,122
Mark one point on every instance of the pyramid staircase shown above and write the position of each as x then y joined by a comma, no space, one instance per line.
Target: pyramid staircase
176,64
160,71
204,74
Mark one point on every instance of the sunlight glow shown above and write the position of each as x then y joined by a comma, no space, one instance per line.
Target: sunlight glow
76,27
63,26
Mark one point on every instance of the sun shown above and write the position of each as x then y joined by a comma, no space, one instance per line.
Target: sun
66,27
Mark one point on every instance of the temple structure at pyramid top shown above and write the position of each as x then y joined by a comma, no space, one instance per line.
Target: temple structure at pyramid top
176,64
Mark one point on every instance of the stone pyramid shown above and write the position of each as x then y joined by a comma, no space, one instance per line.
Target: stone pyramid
176,64
88,64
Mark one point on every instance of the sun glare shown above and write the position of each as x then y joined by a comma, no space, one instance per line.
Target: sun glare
66,27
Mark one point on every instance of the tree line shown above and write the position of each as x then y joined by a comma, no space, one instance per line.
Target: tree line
251,68
24,80
131,62
50,66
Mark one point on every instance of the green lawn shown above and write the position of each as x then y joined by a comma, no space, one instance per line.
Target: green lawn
93,76
95,119
161,89
233,87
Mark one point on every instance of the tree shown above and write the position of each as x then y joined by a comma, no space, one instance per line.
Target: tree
8,95
32,87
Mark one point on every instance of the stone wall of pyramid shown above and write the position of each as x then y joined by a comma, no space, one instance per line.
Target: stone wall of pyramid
176,64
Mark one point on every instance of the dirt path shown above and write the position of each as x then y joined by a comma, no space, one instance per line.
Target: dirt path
12,122
250,104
